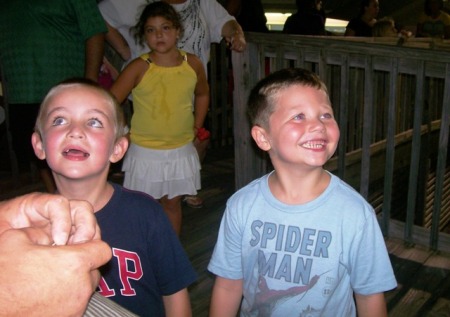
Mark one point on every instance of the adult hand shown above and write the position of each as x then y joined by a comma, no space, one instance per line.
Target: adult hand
234,36
43,280
65,221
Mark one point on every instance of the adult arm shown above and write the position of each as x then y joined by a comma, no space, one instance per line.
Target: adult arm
178,304
371,305
66,221
95,48
118,42
40,280
233,7
226,297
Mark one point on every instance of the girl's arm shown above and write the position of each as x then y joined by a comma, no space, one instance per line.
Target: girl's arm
226,297
201,93
371,305
178,304
128,79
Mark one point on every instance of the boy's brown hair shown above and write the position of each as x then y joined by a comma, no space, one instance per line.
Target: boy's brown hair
263,97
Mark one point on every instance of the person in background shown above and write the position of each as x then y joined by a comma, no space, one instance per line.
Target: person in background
41,44
249,14
308,19
50,252
363,23
162,160
204,22
385,27
299,238
433,22
80,130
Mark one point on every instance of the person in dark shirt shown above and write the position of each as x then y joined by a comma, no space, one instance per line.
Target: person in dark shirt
249,14
308,20
362,24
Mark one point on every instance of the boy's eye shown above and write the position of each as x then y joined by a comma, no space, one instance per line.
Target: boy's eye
167,28
327,116
95,123
149,30
300,116
58,121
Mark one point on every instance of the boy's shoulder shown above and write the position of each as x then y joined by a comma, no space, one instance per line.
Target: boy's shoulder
249,192
129,197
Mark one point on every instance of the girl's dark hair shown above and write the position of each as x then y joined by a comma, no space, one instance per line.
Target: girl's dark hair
156,9
426,6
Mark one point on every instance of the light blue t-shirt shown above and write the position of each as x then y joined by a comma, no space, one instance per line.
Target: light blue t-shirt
300,259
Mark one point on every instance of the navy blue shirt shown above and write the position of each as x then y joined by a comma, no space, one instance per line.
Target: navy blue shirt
148,259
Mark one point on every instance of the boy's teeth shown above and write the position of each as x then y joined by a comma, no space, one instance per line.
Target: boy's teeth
314,145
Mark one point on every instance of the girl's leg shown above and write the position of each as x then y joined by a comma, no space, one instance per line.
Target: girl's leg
172,207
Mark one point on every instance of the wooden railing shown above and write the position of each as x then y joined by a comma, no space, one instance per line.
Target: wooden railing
393,107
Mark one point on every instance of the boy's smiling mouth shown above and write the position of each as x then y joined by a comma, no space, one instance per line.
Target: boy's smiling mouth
314,144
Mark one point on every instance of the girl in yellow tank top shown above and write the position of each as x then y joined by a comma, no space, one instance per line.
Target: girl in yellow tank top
166,84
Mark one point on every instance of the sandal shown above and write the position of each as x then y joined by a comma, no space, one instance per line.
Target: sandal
193,201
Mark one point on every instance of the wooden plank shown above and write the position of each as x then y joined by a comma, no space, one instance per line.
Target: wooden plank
410,304
440,309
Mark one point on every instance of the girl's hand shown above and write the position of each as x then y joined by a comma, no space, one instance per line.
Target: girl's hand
202,134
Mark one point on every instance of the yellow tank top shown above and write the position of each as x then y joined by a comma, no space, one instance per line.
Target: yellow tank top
162,102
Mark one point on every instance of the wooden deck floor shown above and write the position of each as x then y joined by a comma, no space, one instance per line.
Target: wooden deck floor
423,276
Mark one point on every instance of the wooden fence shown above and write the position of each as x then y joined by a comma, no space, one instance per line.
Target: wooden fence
393,107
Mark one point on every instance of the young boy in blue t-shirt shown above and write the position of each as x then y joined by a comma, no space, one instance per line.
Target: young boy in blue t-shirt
298,241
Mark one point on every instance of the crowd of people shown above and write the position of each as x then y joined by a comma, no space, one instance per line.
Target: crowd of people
64,119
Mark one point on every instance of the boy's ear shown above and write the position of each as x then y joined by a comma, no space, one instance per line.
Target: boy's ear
260,136
120,148
38,146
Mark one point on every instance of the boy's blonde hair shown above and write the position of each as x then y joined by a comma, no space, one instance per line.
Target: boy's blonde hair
384,27
263,97
118,116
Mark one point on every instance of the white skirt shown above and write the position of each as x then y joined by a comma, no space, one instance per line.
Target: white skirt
159,173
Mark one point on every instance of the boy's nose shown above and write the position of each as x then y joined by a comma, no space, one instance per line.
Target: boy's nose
317,125
76,132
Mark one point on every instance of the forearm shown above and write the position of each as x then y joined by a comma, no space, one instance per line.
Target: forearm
178,304
201,110
226,297
371,305
95,48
